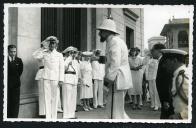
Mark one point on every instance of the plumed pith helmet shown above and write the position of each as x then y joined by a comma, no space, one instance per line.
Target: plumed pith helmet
70,48
108,24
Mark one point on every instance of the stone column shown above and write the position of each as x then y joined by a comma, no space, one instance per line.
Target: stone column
28,40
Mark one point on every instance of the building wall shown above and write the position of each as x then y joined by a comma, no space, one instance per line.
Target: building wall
154,41
175,32
27,39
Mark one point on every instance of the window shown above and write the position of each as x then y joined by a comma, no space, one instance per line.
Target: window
183,39
129,37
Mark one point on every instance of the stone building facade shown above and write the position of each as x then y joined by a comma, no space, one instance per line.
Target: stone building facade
157,39
28,26
177,34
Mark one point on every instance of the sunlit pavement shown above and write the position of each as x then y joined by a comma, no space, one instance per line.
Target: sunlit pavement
100,113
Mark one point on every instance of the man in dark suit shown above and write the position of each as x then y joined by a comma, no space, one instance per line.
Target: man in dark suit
15,69
163,83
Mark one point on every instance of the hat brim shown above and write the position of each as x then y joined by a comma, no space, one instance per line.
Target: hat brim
107,30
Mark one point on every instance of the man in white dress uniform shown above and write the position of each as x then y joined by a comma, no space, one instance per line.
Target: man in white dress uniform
53,75
117,72
69,88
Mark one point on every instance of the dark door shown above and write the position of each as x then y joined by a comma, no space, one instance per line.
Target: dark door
64,23
129,37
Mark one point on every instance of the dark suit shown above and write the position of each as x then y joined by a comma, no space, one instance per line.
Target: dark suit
15,69
164,84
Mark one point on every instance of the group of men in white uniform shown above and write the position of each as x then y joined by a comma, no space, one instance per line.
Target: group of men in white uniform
55,73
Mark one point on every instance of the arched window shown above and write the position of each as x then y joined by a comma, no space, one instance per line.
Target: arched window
183,39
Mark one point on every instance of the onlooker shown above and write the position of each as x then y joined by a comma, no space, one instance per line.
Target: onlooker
98,70
137,76
15,69
151,72
86,92
175,64
163,83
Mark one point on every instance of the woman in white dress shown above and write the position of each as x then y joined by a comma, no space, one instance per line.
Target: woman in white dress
86,90
135,63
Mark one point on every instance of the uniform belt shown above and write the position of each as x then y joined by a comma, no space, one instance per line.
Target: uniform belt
41,67
70,72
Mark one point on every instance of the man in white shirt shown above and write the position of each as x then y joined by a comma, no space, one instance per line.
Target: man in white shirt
98,76
53,76
117,68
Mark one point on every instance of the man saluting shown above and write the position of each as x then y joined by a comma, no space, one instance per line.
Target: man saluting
53,75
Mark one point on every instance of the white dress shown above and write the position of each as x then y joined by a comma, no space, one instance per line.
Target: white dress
137,76
86,90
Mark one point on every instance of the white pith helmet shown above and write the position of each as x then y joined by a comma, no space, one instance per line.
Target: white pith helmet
109,25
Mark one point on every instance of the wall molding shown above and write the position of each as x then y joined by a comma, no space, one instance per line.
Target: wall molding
28,98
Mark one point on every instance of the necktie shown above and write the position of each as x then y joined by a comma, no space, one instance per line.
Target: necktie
12,59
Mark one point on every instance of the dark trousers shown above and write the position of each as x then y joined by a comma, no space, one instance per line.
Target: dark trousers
13,102
165,113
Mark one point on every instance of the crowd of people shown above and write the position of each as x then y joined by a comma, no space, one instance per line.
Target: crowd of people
72,76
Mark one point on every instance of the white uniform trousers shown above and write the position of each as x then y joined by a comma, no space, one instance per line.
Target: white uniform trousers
153,94
118,104
69,93
59,100
41,97
98,93
51,98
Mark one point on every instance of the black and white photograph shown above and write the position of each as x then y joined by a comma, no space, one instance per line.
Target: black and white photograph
92,63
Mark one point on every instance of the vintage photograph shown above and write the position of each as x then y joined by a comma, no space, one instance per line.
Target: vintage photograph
124,63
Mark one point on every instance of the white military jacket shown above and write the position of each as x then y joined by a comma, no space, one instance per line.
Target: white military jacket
98,70
53,65
117,66
179,105
74,67
39,74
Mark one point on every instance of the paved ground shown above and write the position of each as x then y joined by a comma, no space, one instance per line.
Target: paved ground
145,113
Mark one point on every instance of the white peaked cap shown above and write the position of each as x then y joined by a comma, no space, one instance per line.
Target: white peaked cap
174,51
87,54
70,48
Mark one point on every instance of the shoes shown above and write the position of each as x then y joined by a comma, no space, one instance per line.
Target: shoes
101,106
60,110
133,107
90,108
151,106
139,107
156,108
85,109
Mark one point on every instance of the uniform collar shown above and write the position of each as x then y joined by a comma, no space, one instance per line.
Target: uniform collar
183,67
160,58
